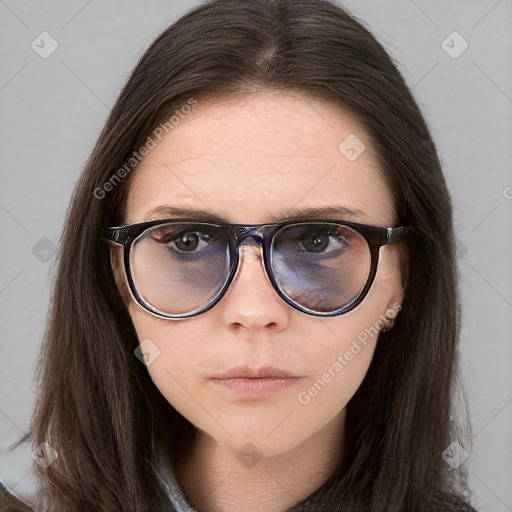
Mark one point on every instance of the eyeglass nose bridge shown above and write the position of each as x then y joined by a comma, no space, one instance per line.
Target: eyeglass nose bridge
256,231
259,233
244,234
261,236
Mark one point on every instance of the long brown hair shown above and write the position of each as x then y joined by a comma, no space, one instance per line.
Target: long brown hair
98,407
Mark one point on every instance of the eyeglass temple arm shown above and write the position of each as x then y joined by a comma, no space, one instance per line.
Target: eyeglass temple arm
114,235
400,233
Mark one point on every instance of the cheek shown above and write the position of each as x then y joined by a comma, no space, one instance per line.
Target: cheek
178,354
342,353
340,360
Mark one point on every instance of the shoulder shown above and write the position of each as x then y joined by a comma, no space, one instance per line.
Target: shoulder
10,502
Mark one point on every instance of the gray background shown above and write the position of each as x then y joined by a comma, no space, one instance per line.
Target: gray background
53,109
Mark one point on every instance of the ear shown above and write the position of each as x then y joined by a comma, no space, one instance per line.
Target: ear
400,285
395,303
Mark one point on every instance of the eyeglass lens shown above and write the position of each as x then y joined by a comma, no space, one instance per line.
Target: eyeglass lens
179,268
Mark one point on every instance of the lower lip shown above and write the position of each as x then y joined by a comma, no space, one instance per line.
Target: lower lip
256,387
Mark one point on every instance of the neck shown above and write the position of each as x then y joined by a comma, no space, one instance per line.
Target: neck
215,478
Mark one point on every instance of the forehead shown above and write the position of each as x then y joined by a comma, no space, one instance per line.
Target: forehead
256,157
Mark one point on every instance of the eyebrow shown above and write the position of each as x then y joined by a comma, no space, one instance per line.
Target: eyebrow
332,212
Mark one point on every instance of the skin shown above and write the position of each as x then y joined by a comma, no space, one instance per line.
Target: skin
246,158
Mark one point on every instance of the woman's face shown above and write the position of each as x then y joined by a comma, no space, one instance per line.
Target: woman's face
244,160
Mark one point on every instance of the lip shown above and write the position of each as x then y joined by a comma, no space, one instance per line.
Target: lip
245,372
254,382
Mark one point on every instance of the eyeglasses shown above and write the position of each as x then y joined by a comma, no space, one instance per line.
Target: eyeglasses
178,268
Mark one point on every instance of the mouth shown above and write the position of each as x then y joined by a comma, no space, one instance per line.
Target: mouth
254,383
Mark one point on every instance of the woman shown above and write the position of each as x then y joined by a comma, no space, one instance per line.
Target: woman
256,303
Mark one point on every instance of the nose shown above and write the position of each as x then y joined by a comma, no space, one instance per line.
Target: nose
251,301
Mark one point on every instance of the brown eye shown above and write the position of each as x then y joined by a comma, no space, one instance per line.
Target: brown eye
187,242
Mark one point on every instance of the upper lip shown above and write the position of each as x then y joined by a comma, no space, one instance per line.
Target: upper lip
245,372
